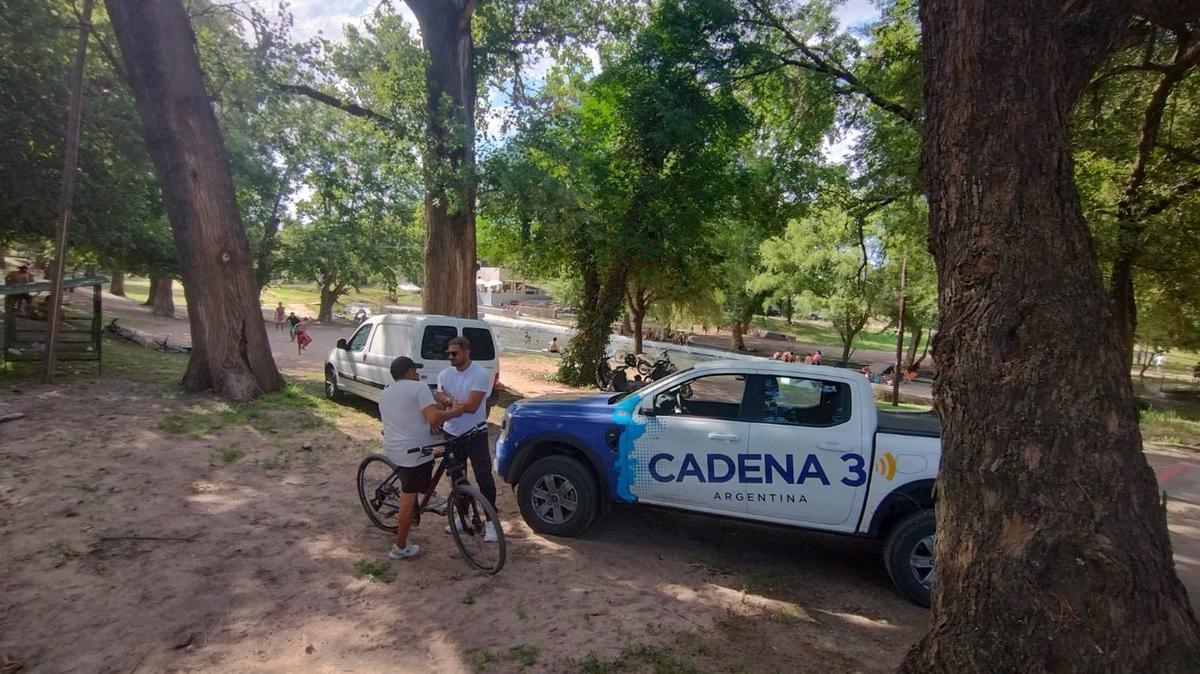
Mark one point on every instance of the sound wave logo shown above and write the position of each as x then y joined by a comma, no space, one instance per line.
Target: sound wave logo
886,466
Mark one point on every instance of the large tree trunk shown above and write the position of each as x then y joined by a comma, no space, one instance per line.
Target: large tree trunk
1052,547
599,303
328,298
162,297
150,293
116,286
449,157
230,351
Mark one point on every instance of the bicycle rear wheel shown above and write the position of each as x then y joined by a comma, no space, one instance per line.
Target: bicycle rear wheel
379,490
468,513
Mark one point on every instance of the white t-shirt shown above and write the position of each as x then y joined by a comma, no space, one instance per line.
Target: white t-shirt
404,425
459,385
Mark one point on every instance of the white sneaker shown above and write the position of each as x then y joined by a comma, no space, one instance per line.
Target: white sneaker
489,532
462,524
407,552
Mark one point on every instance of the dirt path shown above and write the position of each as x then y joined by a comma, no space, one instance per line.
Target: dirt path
157,532
146,531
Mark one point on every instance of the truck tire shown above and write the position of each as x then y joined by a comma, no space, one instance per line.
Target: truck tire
558,496
908,555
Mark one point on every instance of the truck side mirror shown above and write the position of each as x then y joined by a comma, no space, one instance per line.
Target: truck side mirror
341,344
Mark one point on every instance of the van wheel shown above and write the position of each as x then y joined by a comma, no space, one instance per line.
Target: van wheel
909,556
332,390
558,496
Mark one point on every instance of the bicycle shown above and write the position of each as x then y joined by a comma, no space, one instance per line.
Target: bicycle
467,510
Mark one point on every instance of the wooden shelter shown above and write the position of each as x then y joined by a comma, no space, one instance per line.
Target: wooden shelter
26,332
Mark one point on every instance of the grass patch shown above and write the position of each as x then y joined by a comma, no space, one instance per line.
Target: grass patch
228,454
524,655
636,658
375,572
822,334
298,406
1176,427
884,406
121,360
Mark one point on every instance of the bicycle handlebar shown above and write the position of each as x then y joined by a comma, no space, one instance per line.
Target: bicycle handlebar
426,450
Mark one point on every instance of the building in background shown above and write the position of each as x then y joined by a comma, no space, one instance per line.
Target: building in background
497,288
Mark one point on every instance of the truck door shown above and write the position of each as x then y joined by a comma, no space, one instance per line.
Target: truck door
687,456
807,444
388,341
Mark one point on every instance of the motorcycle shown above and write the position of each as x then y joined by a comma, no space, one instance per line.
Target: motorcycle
655,370
609,378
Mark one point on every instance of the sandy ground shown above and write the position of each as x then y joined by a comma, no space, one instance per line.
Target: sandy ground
127,548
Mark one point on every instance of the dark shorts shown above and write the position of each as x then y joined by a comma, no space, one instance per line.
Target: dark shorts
415,480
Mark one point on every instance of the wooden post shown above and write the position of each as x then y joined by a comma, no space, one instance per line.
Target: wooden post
899,336
70,160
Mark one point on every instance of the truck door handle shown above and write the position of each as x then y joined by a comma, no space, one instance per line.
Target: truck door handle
723,436
831,446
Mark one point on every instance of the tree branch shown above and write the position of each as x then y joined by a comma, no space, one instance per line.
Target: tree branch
1177,194
818,63
1180,153
334,102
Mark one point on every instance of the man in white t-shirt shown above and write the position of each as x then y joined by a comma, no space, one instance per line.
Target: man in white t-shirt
468,384
409,413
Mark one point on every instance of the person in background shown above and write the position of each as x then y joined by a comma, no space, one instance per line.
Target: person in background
21,303
301,335
292,321
409,414
527,338
280,317
552,347
816,358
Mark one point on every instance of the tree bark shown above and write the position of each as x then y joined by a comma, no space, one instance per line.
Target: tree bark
230,352
162,297
150,293
449,157
1052,547
913,344
328,297
116,286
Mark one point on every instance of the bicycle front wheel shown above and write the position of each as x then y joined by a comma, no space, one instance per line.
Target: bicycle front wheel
469,513
379,491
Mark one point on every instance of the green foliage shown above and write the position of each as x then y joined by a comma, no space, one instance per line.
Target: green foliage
825,255
358,225
374,572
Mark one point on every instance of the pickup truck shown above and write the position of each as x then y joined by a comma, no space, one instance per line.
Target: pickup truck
782,443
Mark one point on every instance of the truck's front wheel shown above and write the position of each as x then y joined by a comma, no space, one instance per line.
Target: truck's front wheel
908,555
557,496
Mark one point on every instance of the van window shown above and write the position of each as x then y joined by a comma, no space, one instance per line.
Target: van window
359,341
482,346
798,401
434,341
392,340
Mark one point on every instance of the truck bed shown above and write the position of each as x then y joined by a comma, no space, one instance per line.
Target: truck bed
920,424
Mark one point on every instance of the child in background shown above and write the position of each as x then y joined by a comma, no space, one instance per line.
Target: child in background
301,335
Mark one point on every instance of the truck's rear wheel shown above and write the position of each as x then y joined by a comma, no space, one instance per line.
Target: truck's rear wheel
909,556
557,496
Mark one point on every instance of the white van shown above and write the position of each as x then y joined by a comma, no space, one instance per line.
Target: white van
361,365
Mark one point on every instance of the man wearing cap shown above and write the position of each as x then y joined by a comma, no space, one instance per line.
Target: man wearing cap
409,413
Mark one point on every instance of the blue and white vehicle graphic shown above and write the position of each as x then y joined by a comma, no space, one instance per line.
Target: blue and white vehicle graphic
782,443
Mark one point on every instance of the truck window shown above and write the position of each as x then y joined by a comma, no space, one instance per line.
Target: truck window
359,341
434,341
800,401
717,396
482,346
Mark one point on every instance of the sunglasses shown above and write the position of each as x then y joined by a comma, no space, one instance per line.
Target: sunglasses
453,353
